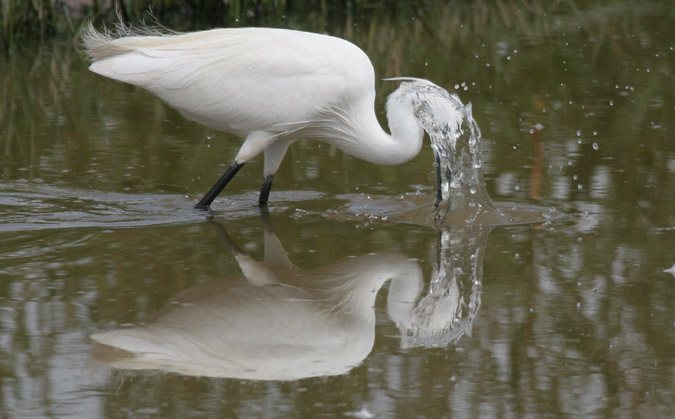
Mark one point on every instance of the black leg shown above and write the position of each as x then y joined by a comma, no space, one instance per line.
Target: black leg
215,189
226,239
265,190
265,218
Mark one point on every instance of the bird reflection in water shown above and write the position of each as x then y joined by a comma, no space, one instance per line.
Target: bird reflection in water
279,322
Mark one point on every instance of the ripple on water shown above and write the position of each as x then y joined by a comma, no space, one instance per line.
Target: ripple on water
27,207
416,208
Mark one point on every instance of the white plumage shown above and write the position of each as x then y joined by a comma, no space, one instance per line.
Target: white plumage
271,86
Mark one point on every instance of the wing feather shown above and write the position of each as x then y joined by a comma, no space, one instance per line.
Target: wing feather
240,80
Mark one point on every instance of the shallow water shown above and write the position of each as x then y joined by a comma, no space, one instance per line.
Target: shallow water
336,303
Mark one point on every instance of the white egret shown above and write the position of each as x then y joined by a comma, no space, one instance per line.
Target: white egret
270,86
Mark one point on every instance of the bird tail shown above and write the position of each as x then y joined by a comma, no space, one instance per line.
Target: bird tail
99,45
110,42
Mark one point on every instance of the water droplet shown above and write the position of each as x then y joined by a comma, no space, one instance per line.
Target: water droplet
595,146
578,133
472,190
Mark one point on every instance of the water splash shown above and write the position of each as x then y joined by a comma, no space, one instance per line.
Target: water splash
455,140
462,197
448,310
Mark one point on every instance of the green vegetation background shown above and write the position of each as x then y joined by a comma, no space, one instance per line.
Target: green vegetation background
23,21
26,20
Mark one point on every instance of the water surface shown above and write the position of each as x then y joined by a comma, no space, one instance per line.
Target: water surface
571,316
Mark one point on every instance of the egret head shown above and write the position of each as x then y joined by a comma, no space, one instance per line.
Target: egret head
454,137
431,106
401,111
419,105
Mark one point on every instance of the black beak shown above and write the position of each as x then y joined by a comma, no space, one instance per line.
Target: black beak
439,182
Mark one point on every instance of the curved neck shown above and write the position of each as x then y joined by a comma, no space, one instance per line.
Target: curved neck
359,133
